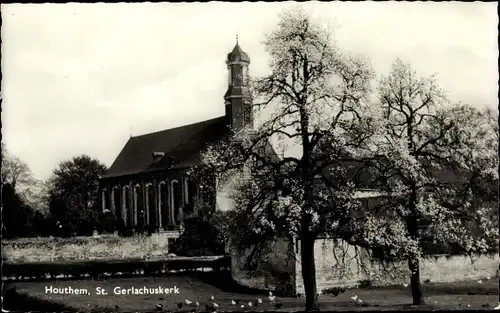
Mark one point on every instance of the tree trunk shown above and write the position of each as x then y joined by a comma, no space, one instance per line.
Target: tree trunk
416,287
309,272
414,266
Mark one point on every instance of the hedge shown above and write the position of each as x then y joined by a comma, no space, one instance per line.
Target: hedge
78,248
96,268
50,242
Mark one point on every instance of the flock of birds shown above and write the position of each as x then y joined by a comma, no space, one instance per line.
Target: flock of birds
212,306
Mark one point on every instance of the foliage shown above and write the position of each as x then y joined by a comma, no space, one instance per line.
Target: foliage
437,163
73,195
204,233
314,91
15,171
18,218
17,174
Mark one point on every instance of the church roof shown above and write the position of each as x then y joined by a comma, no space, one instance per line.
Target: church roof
238,55
181,147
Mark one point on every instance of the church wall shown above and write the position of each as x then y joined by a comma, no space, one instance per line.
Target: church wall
143,179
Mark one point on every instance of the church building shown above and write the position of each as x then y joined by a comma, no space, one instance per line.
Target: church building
147,188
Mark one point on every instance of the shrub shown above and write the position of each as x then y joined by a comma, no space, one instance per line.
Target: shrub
204,232
200,238
97,268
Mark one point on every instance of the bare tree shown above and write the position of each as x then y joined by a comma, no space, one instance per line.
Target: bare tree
316,93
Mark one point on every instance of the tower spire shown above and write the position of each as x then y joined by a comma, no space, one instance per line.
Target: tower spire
237,98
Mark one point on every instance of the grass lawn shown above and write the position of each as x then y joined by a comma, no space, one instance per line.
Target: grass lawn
467,295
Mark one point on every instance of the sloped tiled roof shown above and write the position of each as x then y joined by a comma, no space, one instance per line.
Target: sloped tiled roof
181,147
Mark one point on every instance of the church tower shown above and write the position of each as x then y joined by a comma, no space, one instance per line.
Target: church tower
238,99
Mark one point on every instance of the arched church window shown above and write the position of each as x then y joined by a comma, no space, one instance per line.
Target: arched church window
176,200
137,203
151,215
190,194
150,206
163,204
115,200
126,203
191,190
103,200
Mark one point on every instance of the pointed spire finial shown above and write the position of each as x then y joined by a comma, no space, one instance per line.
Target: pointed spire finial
236,37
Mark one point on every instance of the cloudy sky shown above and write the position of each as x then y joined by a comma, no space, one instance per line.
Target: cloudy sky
81,78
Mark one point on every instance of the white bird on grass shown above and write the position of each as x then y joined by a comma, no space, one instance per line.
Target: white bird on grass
242,306
259,301
216,305
212,298
271,296
197,303
480,281
354,298
250,303
187,301
233,302
405,285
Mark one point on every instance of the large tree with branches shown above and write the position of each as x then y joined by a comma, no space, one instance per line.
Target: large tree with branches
73,194
315,93
437,163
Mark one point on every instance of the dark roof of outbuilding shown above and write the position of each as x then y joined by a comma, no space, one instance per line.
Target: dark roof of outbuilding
181,147
364,178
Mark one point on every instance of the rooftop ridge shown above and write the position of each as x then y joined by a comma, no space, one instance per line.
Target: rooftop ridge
178,127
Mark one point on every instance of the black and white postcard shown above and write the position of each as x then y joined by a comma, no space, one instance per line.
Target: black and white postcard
218,157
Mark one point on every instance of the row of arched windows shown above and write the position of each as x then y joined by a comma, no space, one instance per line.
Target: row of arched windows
165,203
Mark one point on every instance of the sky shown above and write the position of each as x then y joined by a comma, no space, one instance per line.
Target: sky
82,78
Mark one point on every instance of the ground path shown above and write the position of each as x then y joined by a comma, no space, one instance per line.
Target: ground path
467,295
